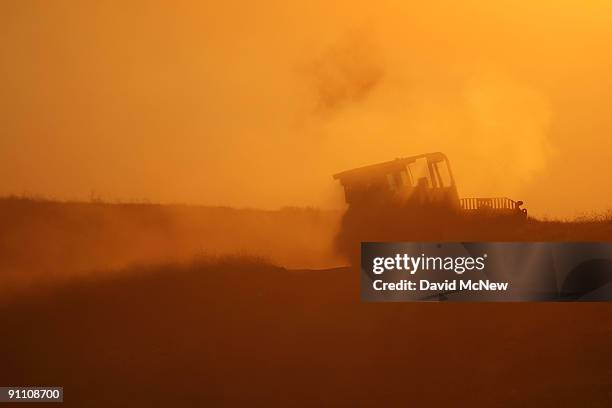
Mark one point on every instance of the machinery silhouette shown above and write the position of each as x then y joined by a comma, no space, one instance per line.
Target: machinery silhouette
415,198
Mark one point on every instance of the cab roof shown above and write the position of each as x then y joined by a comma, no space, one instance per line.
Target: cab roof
381,169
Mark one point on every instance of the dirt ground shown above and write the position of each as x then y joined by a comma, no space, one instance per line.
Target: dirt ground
240,332
223,330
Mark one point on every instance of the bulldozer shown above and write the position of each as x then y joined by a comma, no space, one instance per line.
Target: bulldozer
415,198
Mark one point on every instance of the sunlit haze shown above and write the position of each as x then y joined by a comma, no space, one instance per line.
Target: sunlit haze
257,104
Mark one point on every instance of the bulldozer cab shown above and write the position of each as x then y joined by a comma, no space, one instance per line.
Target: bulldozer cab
413,198
422,180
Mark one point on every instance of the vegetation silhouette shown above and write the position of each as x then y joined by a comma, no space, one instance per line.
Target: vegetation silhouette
194,333
44,241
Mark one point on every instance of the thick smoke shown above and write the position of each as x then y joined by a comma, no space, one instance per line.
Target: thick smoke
494,128
345,73
256,104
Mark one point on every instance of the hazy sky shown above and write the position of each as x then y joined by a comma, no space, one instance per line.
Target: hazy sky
257,103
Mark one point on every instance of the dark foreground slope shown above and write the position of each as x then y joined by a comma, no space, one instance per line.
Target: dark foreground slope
239,332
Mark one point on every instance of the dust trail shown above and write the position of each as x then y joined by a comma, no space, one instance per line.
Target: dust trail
202,102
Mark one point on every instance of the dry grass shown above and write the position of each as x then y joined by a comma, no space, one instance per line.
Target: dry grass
47,241
235,331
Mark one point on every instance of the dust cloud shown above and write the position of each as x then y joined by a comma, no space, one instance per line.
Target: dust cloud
257,104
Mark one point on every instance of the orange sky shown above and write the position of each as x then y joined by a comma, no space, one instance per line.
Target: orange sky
257,103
